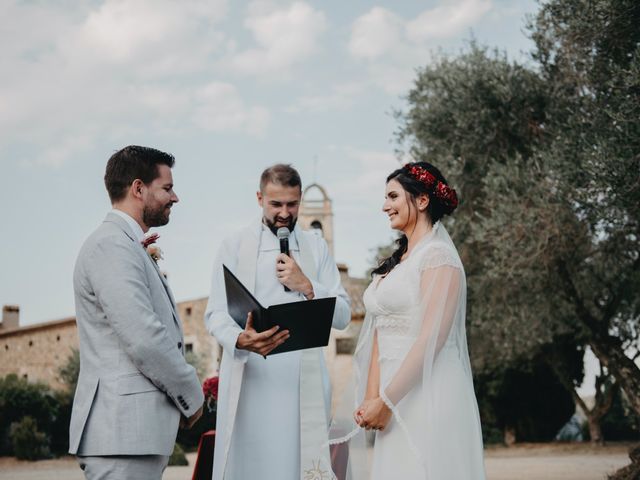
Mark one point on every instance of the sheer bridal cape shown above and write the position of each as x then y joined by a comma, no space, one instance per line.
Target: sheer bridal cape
416,314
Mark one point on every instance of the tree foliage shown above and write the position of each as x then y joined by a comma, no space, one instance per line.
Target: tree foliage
546,159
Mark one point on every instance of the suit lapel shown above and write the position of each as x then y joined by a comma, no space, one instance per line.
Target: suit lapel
113,218
167,289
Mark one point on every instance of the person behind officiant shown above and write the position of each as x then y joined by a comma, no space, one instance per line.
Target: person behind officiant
269,427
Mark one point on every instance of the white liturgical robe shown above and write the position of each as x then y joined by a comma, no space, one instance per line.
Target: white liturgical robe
258,429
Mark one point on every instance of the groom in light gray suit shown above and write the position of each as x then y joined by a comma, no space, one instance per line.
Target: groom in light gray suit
135,386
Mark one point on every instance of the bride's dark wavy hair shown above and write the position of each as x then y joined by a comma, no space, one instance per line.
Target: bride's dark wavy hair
435,210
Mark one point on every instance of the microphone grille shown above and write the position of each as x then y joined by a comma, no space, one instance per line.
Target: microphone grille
283,232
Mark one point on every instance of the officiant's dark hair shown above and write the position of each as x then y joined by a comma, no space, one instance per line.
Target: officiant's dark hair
436,210
280,174
131,163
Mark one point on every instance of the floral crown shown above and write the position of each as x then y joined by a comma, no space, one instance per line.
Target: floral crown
444,193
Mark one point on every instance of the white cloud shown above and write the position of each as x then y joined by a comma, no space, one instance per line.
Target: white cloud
221,109
375,33
381,32
340,97
446,20
284,36
75,74
391,46
57,155
150,36
371,168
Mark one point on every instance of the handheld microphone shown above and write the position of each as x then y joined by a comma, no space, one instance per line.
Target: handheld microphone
283,236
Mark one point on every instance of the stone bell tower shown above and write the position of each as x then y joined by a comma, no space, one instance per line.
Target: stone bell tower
316,213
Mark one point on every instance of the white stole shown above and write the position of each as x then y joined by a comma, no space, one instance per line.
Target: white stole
314,452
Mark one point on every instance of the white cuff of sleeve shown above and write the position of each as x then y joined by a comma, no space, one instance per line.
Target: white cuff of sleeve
318,290
238,354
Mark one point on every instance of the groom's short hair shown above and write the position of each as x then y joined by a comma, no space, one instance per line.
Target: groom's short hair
131,163
280,174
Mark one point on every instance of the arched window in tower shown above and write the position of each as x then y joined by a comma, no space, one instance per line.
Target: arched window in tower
316,225
316,213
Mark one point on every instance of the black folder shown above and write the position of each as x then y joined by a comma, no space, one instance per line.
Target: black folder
308,321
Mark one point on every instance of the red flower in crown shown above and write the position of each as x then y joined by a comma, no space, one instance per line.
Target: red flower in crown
423,176
447,196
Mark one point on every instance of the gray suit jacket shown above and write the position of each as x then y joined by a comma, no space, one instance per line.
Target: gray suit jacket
134,381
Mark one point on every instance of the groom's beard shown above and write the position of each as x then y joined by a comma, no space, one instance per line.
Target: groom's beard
272,224
156,217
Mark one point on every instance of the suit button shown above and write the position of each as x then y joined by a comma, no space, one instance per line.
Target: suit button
179,344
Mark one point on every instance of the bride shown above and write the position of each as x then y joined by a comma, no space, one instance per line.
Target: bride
412,363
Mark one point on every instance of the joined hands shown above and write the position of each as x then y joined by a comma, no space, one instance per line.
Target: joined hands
372,414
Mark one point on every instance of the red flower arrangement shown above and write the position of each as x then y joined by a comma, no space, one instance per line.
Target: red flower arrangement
447,195
423,176
210,390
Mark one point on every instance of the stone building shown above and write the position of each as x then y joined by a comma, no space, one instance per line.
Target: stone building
316,213
37,352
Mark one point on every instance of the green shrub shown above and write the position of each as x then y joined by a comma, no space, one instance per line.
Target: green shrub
27,441
178,457
70,371
59,429
18,399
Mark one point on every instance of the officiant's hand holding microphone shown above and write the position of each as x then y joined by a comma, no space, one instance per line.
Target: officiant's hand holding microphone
288,271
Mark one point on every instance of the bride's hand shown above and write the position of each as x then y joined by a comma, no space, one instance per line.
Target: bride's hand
357,414
373,414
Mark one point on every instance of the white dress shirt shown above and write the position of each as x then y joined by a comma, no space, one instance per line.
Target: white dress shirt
136,229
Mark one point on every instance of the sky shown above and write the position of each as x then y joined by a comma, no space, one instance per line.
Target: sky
228,88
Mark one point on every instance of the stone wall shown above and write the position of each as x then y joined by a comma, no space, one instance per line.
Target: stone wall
196,337
37,352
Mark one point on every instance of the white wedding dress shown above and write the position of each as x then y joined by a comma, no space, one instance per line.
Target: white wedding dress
417,314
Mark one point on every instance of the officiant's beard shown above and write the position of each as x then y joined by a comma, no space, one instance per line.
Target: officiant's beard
156,217
290,223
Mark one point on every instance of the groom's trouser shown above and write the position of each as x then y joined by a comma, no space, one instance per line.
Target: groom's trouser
123,467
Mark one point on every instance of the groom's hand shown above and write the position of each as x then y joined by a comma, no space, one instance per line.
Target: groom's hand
187,423
290,275
261,343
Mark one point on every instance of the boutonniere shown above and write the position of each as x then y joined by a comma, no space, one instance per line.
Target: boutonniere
152,250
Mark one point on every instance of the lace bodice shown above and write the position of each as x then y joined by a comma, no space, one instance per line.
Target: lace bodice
394,302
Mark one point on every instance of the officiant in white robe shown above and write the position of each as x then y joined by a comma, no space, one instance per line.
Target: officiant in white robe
273,412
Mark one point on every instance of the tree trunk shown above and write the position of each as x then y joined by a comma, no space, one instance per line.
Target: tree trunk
595,432
602,401
607,348
509,435
609,351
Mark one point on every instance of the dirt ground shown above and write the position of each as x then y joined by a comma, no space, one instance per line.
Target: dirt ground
522,462
555,461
